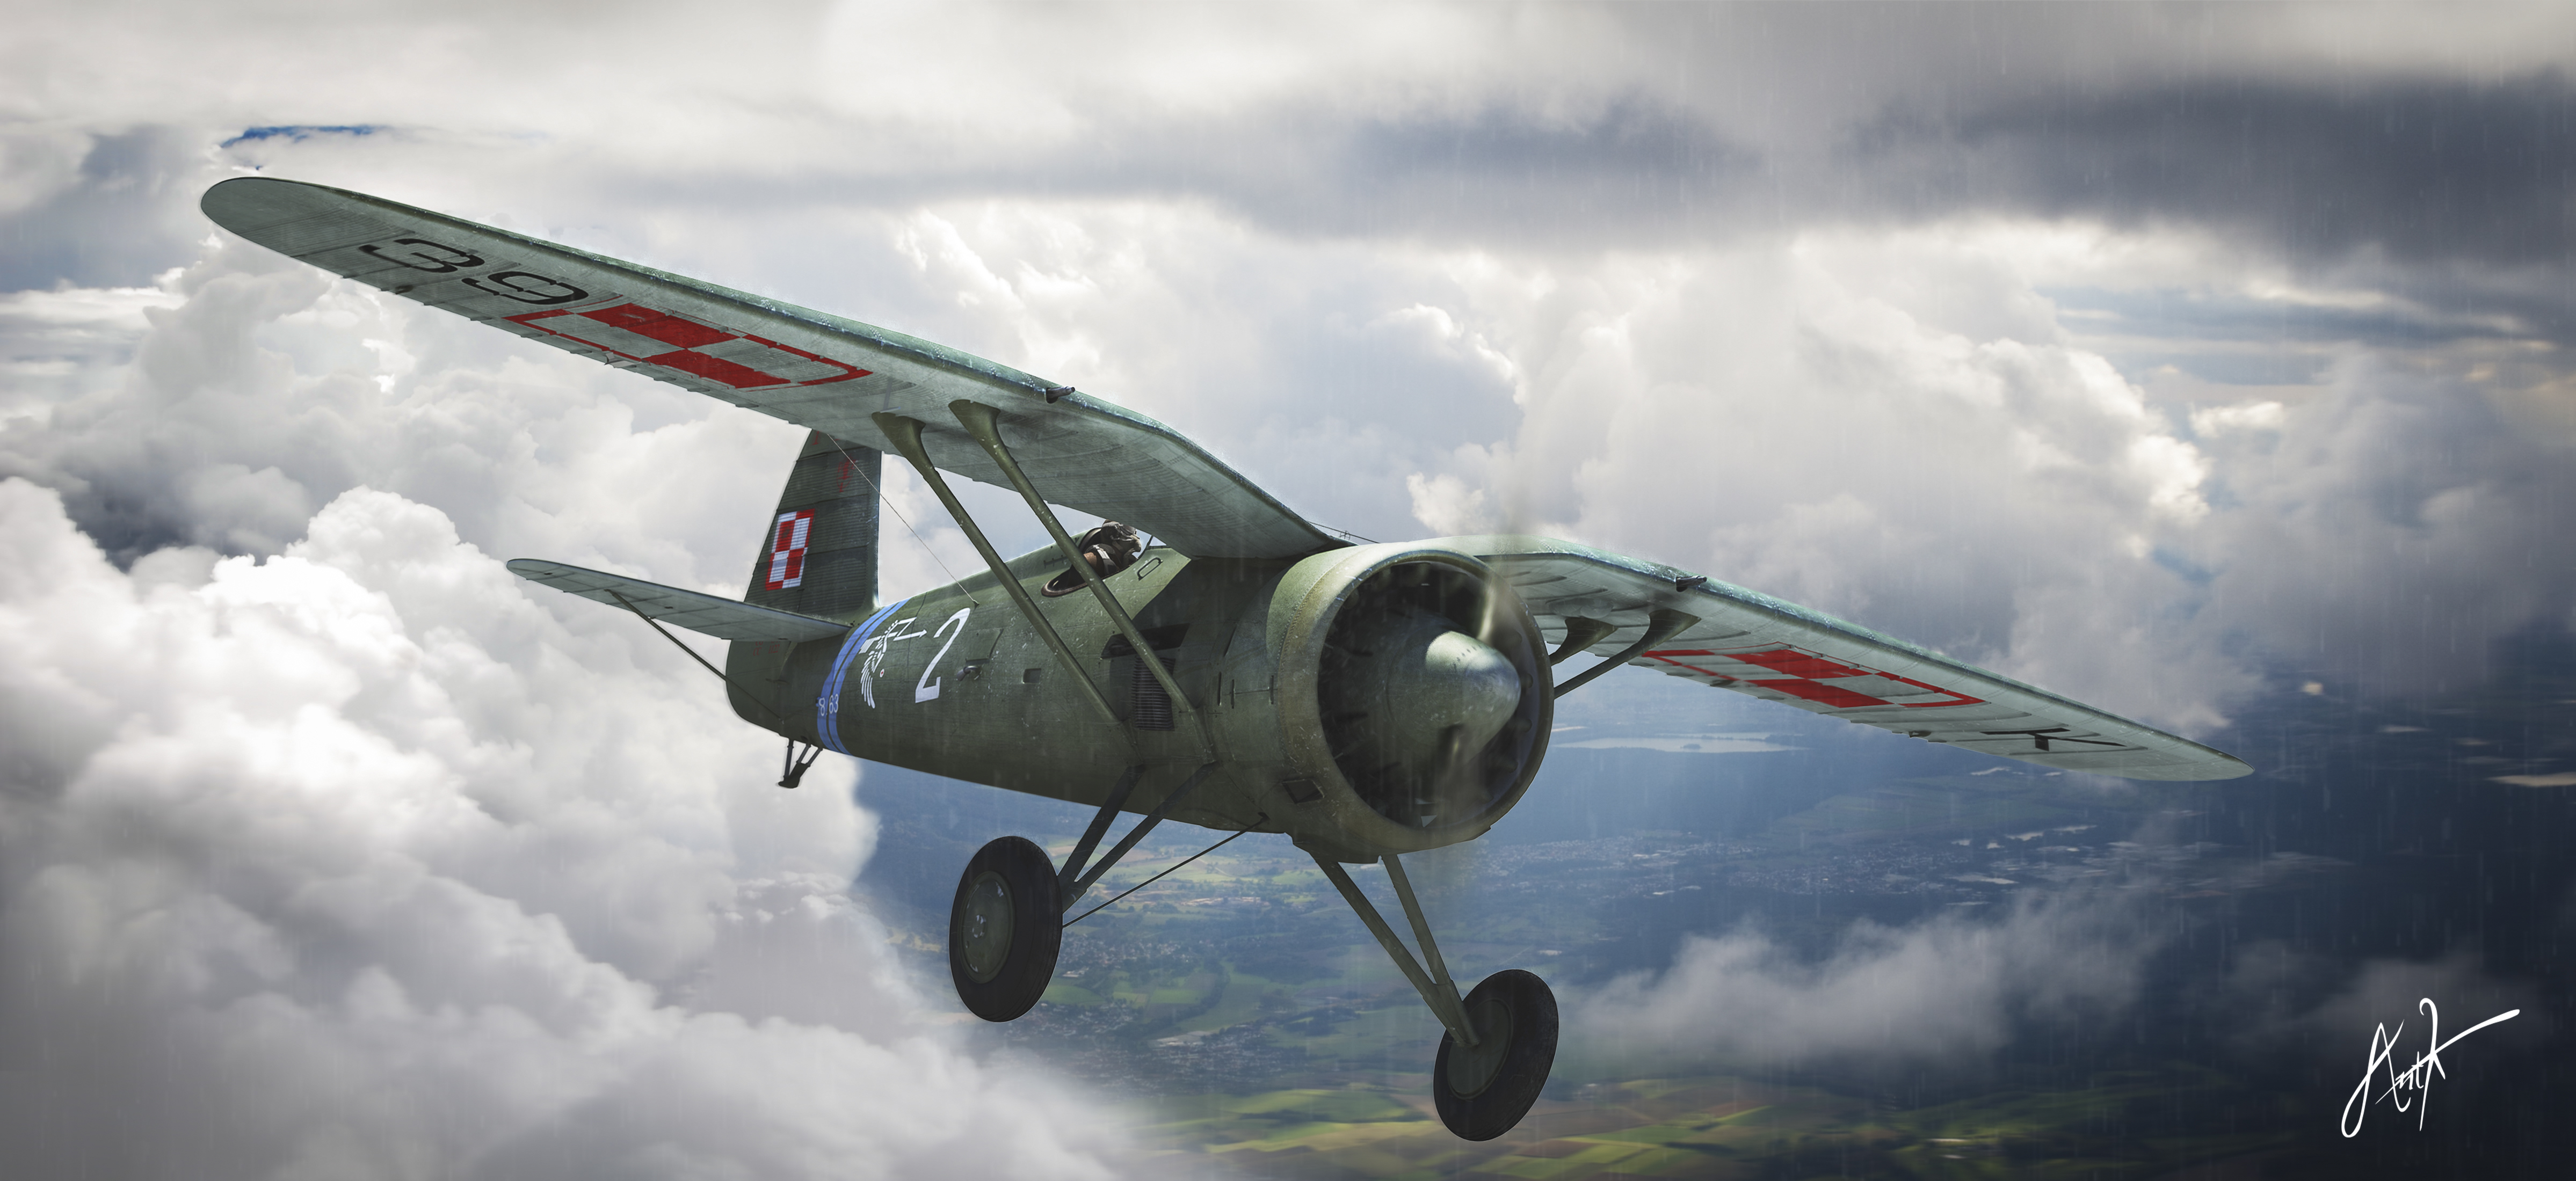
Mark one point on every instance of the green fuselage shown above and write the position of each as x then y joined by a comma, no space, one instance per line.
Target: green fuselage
955,681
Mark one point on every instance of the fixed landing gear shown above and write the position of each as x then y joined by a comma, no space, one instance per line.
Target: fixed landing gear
1484,1089
1007,922
1006,926
1004,929
1502,1038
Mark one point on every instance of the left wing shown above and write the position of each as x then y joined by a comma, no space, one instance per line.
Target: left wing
1762,647
725,619
815,370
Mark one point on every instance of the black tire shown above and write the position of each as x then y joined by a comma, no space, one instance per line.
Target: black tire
1001,973
1521,1011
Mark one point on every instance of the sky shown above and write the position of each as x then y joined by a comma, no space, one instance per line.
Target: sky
2177,358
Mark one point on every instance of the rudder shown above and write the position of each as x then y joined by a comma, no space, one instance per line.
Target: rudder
820,557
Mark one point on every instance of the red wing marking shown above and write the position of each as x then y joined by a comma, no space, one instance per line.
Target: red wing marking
1838,698
849,371
668,329
741,377
1808,673
690,336
1800,664
787,545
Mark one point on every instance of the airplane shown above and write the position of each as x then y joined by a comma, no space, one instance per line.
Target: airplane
1206,656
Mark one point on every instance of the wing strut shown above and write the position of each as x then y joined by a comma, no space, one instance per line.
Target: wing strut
905,434
982,422
1581,633
1662,625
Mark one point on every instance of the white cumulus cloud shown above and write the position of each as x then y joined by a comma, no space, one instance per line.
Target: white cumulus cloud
357,862
1945,991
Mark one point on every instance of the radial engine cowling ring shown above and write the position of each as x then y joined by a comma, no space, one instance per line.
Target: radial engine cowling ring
1431,695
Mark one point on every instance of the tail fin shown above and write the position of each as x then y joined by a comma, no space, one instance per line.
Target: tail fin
820,557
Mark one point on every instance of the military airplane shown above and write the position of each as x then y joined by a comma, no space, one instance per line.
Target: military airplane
1246,671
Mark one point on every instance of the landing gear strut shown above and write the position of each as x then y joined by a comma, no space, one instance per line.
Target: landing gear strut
1007,925
1007,922
1502,1038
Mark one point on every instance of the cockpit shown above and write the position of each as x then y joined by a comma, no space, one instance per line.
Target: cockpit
1108,548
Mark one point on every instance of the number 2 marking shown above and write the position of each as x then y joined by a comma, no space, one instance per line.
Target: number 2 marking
927,689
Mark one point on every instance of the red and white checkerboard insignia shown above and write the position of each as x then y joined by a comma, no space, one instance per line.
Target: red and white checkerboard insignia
639,333
787,549
1809,677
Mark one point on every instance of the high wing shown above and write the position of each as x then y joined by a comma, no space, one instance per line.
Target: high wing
809,368
1757,645
725,619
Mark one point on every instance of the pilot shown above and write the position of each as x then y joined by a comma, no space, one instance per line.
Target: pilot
1109,548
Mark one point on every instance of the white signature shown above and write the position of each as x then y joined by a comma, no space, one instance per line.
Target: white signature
2417,1078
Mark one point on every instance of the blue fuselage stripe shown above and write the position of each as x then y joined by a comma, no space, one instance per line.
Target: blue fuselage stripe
827,708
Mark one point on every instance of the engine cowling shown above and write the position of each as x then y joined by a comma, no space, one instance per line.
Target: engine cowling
1413,695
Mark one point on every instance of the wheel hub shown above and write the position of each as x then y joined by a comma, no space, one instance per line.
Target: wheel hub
1472,1068
987,935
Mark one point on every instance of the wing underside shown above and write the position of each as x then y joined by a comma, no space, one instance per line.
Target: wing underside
725,619
1755,645
809,368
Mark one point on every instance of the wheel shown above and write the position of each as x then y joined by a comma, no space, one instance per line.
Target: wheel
1482,1092
1004,929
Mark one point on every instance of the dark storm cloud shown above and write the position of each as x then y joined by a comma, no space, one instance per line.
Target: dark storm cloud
2229,317
1632,172
2422,170
2424,173
2453,195
2464,188
2460,190
2456,195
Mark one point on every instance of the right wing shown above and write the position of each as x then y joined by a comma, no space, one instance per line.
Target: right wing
809,368
725,619
1762,647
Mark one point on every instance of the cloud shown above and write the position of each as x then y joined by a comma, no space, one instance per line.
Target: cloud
1887,427
1427,121
2390,531
104,199
2452,168
2044,335
260,389
2274,999
1911,426
357,862
1944,992
1905,428
1902,426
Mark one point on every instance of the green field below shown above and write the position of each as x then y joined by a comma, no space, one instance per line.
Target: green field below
1707,1126
1251,1023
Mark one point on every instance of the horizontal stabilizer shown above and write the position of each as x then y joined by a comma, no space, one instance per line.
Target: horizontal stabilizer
725,619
